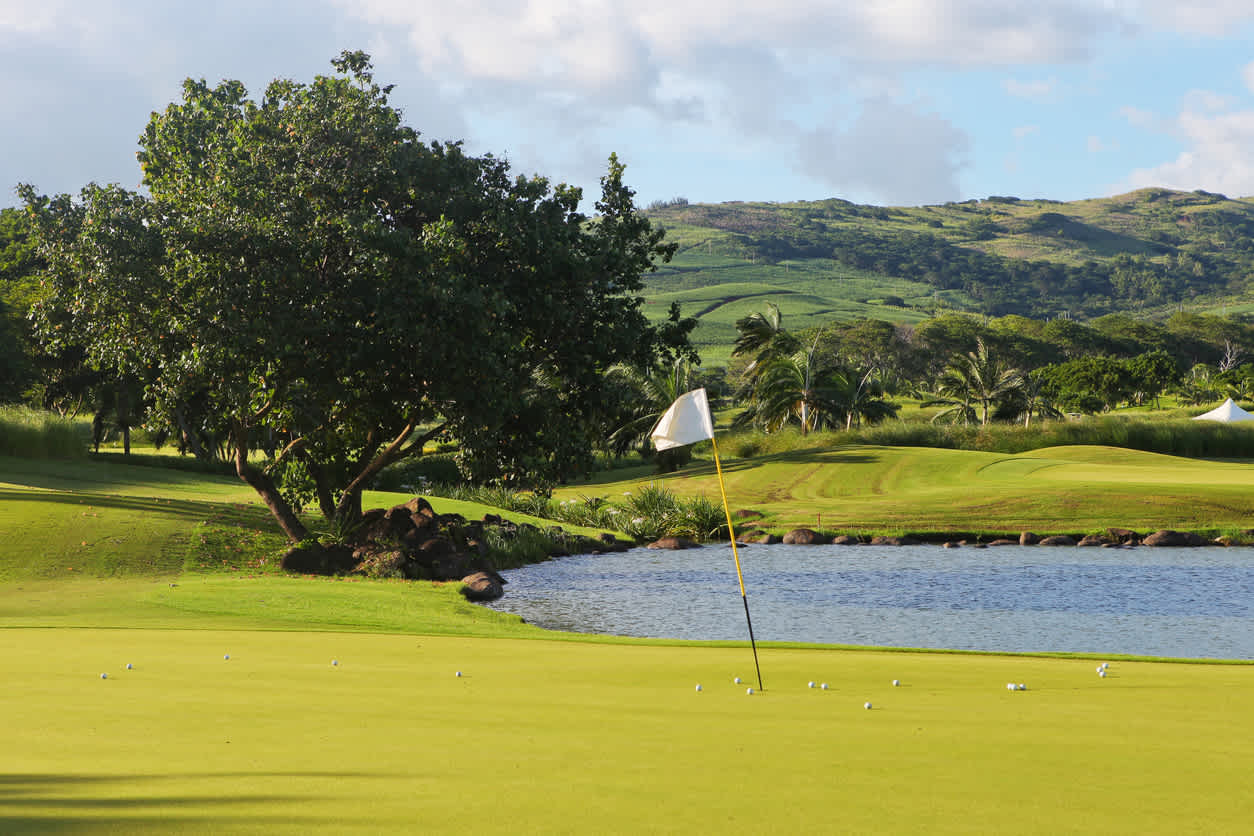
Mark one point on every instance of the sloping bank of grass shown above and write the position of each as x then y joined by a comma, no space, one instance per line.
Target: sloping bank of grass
932,493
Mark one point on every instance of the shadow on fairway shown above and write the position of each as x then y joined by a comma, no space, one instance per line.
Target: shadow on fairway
703,468
72,803
184,508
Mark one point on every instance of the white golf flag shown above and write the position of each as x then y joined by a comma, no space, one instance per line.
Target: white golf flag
686,422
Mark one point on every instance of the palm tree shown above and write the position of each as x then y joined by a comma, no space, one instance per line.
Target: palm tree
764,338
1034,399
977,378
860,395
645,395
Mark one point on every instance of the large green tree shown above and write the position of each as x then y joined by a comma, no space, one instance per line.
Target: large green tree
321,284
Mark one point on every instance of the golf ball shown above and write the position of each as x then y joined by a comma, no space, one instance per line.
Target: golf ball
824,686
459,673
811,685
104,676
1022,687
896,682
698,686
1102,674
749,691
334,662
129,666
867,706
227,656
1010,686
736,680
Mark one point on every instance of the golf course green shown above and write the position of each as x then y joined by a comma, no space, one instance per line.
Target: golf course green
260,702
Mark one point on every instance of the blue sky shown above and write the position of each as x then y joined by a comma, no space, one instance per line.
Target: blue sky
896,102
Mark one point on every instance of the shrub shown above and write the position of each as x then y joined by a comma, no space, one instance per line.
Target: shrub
36,434
414,475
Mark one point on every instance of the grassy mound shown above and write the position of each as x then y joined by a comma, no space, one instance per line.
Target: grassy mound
924,491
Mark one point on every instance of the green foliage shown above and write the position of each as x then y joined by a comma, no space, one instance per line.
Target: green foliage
645,514
336,292
37,434
1036,258
413,475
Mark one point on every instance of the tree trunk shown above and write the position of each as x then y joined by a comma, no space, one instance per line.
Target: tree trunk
267,490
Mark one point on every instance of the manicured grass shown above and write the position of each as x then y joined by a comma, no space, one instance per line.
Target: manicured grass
543,736
573,735
869,489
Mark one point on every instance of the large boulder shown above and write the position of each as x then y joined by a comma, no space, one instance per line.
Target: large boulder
887,540
1179,539
1027,538
844,540
317,559
483,586
673,543
1123,535
1057,540
804,537
1092,540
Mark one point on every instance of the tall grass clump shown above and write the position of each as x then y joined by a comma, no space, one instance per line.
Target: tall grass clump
646,514
36,434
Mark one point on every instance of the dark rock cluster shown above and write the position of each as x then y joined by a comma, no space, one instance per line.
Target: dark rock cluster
412,541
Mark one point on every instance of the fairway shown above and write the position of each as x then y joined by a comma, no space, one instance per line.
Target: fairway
870,489
540,736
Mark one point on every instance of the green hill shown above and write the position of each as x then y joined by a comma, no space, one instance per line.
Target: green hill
1149,251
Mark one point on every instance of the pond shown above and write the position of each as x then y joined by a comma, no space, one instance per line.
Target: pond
1195,603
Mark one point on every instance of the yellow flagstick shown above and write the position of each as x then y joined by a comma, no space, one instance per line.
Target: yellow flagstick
731,532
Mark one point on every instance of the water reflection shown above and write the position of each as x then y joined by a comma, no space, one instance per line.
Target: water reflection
1168,602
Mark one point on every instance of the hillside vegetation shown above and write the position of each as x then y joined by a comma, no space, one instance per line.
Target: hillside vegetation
1145,252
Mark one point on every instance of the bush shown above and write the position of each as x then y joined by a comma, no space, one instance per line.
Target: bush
413,475
35,434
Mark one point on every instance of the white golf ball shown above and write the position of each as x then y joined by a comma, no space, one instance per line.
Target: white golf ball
1102,674
227,656
749,691
104,676
1010,686
867,706
1101,668
1022,687
334,662
824,686
811,685
896,682
698,686
736,680
1105,665
459,673
129,666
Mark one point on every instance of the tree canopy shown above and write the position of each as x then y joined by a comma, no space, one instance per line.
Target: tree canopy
308,278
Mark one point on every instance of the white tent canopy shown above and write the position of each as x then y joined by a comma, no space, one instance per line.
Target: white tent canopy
1226,412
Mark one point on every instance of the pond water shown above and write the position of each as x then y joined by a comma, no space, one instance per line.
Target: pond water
1196,603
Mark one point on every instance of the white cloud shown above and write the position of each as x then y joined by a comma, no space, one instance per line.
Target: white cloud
900,153
1024,131
1203,17
1218,157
